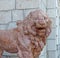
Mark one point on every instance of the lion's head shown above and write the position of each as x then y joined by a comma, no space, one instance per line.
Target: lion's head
37,22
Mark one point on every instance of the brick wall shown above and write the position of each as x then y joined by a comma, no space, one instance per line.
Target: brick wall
58,44
52,11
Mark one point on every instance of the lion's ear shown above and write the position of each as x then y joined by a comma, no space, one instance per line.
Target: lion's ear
49,22
49,28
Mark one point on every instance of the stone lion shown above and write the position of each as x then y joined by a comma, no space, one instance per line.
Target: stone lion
29,37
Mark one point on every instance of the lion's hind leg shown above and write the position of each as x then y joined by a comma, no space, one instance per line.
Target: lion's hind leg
1,52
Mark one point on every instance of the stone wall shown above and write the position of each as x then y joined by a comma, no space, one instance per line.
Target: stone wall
52,11
58,44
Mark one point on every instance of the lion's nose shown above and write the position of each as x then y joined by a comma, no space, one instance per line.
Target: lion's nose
41,24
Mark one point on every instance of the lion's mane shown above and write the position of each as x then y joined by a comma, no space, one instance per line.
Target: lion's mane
37,27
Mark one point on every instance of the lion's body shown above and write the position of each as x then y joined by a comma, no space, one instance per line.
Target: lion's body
28,38
7,41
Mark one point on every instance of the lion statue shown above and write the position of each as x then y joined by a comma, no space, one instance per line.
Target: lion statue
29,37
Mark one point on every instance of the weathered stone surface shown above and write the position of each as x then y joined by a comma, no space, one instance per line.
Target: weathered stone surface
17,15
25,4
51,4
7,4
53,46
3,27
5,17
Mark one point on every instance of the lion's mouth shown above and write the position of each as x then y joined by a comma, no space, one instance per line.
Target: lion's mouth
40,28
41,31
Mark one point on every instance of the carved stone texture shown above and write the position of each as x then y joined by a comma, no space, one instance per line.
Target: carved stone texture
29,37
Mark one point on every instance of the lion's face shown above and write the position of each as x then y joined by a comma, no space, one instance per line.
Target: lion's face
42,22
